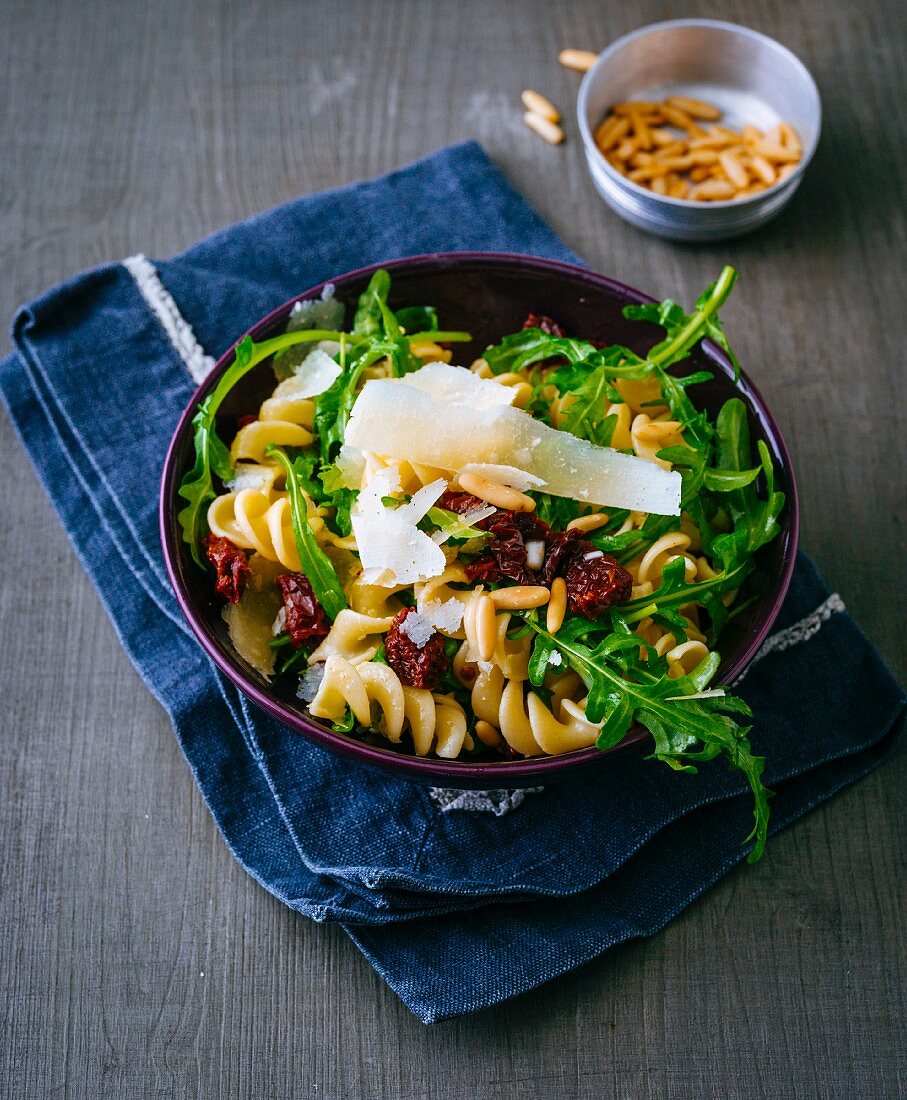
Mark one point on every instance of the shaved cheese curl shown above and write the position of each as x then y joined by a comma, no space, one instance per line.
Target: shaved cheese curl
392,418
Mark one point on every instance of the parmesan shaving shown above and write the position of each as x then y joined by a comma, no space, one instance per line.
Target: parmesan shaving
310,683
418,629
392,549
458,386
351,464
478,514
393,418
535,554
250,622
521,480
315,374
446,616
250,475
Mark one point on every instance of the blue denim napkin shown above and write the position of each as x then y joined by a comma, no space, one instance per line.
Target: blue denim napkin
103,366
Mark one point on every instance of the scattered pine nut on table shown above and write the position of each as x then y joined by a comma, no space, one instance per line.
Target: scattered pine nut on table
579,60
550,131
539,105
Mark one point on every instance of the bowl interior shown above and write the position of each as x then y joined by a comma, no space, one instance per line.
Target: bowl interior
488,296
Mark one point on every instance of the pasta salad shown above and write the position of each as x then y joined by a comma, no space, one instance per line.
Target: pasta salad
517,557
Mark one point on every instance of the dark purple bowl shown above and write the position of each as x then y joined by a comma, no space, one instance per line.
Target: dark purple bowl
489,295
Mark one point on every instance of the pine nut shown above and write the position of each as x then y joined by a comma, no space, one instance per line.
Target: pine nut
694,107
680,119
734,170
486,627
588,523
538,105
557,605
637,106
789,138
520,597
550,131
773,151
501,496
487,734
611,131
714,190
627,148
763,170
579,60
643,133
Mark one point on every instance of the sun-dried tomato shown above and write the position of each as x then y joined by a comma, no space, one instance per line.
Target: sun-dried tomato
420,668
461,503
245,420
595,584
559,551
304,617
505,556
231,565
549,326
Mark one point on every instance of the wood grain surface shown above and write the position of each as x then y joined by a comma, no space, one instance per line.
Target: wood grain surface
136,957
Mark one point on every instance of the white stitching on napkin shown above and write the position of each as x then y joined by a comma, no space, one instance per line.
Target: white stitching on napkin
486,802
802,631
198,364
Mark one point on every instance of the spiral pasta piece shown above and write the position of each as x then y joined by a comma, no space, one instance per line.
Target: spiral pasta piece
642,395
374,599
378,700
653,562
283,419
528,726
343,684
649,436
621,439
353,636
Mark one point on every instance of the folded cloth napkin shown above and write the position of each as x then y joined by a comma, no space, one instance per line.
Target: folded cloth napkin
103,366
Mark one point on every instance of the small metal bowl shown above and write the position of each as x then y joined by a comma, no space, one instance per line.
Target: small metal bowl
750,77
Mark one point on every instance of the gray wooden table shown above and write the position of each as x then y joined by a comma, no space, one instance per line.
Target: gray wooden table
136,958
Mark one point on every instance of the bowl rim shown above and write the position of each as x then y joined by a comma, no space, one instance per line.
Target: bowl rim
791,181
462,775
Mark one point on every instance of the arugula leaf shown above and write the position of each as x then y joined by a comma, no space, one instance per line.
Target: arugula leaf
315,563
333,407
682,332
557,512
416,318
629,544
368,320
686,731
451,523
211,456
338,497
